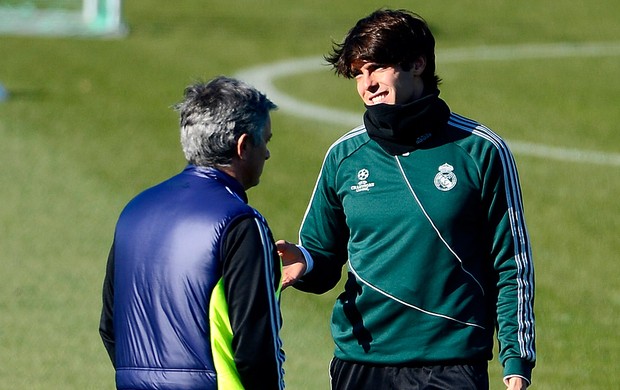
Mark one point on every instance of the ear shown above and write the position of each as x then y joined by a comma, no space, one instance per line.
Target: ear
419,65
242,145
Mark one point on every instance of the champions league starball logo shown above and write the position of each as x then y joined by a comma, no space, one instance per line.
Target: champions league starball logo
363,174
445,180
362,184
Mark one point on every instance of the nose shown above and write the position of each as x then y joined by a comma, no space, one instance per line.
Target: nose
267,155
367,81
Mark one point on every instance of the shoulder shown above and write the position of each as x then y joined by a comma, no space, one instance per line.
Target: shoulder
475,137
348,143
486,149
192,197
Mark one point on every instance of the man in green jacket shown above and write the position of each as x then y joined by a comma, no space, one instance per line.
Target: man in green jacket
424,207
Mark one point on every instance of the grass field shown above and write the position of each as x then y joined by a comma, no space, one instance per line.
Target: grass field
88,124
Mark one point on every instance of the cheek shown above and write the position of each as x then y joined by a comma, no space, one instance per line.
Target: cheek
360,88
404,92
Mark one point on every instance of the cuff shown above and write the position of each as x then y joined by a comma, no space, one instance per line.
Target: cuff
518,367
307,257
507,378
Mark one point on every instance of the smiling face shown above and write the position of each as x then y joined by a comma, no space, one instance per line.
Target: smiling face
389,84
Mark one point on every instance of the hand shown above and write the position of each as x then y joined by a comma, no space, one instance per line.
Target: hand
293,262
516,383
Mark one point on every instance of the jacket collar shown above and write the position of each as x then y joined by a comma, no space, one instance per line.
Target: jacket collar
213,173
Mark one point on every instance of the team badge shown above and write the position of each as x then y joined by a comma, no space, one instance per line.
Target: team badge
362,181
445,180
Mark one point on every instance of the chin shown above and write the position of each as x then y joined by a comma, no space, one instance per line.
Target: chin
252,184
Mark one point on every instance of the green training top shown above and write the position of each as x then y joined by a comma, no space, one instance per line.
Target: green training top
436,248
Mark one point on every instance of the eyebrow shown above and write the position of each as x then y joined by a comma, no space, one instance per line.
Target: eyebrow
356,69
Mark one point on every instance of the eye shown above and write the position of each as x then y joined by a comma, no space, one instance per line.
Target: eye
378,67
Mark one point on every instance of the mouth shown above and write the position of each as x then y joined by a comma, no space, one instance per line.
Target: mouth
378,98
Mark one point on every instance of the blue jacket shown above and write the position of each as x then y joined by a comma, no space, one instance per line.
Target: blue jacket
173,244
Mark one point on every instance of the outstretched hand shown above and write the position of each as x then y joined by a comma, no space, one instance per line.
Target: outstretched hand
293,262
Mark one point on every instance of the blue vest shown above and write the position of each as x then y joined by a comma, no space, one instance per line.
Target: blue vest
167,262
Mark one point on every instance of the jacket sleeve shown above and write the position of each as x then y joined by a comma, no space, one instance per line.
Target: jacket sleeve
251,273
106,323
512,261
324,234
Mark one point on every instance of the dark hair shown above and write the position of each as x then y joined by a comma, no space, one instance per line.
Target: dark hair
386,37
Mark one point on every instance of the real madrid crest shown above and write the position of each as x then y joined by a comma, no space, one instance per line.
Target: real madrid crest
445,180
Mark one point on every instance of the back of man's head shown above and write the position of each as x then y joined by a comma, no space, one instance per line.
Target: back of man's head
215,114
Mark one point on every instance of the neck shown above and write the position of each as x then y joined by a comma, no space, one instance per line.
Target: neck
231,171
401,128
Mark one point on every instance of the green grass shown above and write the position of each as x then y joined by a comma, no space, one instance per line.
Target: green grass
89,124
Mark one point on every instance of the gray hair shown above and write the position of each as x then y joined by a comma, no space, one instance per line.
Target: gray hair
215,114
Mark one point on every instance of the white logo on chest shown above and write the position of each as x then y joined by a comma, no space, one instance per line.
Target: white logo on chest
445,180
362,184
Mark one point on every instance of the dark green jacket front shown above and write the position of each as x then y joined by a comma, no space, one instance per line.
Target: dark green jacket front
436,248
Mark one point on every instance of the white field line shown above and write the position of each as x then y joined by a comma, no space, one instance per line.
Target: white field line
262,77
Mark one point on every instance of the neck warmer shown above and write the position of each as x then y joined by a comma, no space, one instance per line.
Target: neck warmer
400,128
